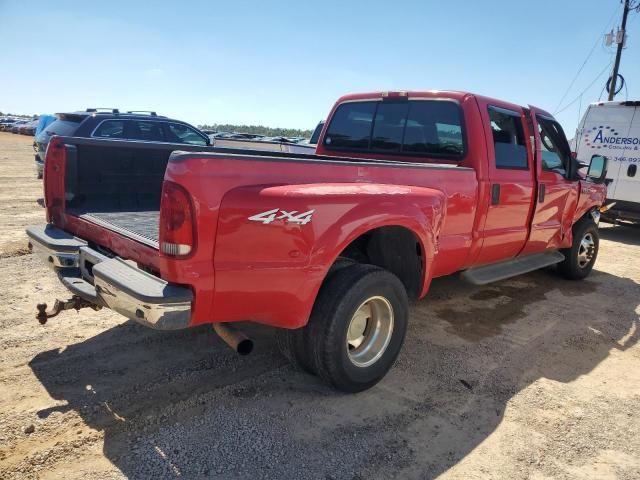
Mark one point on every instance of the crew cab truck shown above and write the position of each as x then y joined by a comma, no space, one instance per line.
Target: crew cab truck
329,248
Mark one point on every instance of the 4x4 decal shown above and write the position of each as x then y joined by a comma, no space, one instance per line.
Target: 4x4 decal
277,214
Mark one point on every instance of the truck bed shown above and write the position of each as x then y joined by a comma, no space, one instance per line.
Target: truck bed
142,226
117,184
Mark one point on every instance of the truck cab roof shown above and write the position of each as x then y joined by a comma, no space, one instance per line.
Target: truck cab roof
417,94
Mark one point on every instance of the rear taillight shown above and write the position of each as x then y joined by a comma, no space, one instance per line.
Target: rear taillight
177,224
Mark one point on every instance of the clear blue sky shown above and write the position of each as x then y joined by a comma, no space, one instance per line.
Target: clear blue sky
284,63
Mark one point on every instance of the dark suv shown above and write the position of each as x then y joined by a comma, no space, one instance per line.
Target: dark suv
111,123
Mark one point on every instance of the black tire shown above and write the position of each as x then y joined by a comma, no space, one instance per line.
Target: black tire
571,268
293,344
325,336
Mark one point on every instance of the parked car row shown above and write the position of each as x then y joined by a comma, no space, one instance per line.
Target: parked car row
6,123
261,142
25,127
254,137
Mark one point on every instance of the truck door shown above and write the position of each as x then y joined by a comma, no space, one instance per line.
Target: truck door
557,186
511,182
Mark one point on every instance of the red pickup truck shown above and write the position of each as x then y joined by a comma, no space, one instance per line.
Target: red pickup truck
404,187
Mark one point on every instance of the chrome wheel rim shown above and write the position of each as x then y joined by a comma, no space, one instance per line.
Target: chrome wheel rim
586,251
369,331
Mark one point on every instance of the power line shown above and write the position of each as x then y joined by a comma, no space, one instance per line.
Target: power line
585,90
598,41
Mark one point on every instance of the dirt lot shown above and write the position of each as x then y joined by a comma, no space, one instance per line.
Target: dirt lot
534,377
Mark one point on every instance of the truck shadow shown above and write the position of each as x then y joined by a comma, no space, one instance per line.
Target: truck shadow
181,404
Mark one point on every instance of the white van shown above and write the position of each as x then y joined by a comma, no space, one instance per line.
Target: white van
612,129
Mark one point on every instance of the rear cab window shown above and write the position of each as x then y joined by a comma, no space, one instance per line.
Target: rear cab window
413,128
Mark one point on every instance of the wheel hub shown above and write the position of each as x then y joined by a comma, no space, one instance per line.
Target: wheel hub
369,331
586,251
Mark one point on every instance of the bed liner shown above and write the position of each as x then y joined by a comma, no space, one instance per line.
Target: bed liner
142,226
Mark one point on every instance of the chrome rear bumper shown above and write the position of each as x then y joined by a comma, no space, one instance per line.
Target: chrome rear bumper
112,282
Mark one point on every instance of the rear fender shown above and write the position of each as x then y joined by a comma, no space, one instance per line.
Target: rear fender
275,244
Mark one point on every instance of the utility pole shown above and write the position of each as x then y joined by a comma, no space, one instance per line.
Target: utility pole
616,65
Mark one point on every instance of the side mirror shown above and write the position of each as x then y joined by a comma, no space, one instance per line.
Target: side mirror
597,169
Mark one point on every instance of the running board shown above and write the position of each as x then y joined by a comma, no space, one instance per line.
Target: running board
511,268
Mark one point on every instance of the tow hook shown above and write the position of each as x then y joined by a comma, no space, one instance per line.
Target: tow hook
75,303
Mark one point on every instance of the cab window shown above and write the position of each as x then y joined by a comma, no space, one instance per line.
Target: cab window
508,138
556,154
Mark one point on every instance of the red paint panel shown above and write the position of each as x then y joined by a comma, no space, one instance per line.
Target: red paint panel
260,259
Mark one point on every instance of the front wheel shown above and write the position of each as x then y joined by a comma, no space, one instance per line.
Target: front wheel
580,258
357,326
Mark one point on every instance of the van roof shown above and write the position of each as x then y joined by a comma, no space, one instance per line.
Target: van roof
626,103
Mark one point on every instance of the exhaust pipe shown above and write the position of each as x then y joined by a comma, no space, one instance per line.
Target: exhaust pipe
233,337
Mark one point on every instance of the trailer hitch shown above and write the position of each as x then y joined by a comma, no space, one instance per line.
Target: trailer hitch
75,303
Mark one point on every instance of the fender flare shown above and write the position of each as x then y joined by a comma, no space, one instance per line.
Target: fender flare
424,223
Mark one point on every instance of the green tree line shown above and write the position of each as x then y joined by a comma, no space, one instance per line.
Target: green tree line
17,115
257,129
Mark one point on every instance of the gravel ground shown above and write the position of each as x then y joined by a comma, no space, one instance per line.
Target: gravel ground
534,377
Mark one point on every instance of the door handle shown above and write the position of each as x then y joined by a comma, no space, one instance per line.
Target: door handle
495,194
541,192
